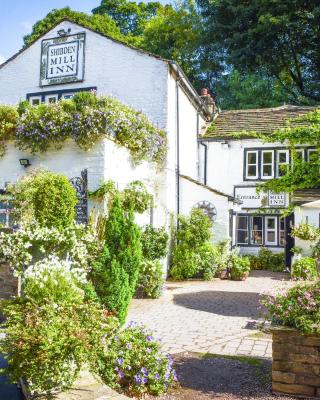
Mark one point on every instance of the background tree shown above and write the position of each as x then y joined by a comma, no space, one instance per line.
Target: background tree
281,36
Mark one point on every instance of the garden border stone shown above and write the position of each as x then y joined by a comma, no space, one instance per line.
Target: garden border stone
295,363
87,387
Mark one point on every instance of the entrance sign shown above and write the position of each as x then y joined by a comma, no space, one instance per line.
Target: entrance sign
62,59
252,200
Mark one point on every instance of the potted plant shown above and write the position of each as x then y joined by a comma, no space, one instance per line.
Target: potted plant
296,340
239,267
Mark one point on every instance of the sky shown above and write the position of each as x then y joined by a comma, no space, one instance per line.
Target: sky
18,16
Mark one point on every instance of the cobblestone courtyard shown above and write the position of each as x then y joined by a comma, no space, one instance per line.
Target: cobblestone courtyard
218,317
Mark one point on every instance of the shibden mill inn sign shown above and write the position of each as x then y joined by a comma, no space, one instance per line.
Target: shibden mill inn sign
62,59
251,199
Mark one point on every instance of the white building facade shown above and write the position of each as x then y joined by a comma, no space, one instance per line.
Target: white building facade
72,58
238,165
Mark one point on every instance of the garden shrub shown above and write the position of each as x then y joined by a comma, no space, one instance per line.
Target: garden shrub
154,242
133,363
298,307
150,280
194,255
45,197
305,268
31,243
239,266
8,124
115,273
52,332
267,260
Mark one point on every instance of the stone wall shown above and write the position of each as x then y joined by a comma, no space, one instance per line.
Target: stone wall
8,283
296,363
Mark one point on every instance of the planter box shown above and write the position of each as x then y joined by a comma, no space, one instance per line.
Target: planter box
295,363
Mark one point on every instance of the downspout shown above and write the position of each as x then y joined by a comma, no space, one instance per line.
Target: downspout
205,162
178,147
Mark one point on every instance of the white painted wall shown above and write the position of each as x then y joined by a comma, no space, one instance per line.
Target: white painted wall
191,194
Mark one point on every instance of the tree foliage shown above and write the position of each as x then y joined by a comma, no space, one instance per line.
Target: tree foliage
281,36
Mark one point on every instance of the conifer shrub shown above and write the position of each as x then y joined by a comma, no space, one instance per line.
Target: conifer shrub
115,274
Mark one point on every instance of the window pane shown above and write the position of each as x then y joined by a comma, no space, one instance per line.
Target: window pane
252,170
242,223
52,100
256,237
271,223
257,223
267,157
313,155
35,102
271,236
282,224
282,238
242,237
282,157
267,170
252,158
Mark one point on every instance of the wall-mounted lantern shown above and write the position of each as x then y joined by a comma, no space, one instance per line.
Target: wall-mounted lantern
24,162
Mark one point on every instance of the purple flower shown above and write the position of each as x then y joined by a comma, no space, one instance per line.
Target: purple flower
121,374
144,379
150,338
144,371
128,346
119,361
137,379
157,376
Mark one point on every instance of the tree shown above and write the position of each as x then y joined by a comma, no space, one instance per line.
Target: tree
115,274
253,90
281,36
102,23
129,16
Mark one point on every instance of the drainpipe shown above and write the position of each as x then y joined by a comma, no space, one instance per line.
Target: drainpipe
205,162
178,147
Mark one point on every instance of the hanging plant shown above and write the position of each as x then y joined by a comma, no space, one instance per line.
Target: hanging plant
87,119
306,232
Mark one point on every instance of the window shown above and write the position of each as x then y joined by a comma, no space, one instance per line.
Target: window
267,164
299,154
260,230
256,230
35,100
271,231
67,96
51,98
312,155
282,232
5,209
252,165
242,229
282,162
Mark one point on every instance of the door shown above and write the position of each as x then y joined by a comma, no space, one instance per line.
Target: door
271,237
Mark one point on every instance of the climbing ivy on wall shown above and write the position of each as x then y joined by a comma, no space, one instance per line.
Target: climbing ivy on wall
86,118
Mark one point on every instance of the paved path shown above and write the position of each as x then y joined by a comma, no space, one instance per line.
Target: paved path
218,317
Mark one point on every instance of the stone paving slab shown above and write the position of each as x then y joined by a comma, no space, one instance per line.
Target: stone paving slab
219,317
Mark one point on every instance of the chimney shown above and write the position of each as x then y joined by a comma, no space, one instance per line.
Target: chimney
208,101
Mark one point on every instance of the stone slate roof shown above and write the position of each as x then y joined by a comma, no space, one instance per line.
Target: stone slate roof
264,120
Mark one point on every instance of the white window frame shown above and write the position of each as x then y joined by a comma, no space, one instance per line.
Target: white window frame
70,95
51,96
275,230
244,230
256,230
272,164
282,220
31,98
286,152
256,152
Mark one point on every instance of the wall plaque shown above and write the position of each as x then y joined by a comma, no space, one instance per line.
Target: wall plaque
62,59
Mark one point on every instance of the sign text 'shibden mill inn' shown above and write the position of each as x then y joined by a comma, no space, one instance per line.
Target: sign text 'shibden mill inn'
62,60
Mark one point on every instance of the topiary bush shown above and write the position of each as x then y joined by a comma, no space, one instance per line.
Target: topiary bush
45,197
133,363
305,268
115,274
194,256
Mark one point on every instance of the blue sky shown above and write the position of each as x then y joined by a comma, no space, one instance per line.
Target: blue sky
18,16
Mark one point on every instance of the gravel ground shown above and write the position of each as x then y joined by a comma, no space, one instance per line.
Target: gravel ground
219,377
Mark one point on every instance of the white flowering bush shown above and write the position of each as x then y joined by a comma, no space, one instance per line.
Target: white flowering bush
54,280
32,243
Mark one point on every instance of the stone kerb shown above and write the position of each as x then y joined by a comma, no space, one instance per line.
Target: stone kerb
295,363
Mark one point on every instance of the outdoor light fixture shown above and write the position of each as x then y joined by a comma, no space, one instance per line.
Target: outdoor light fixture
24,162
